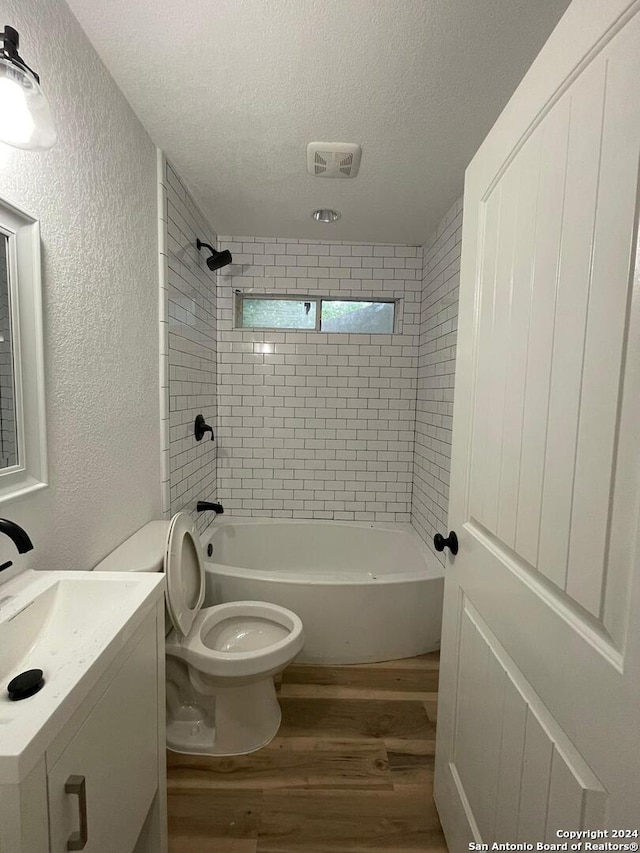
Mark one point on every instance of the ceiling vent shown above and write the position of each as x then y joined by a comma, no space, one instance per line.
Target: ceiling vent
333,159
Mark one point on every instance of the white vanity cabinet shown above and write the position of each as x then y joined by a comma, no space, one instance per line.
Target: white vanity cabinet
100,784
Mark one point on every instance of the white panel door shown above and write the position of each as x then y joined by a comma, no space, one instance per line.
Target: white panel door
539,720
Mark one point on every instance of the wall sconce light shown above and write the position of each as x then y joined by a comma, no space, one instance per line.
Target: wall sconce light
25,117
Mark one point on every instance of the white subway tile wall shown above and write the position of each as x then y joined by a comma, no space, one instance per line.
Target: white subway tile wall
436,375
312,424
188,349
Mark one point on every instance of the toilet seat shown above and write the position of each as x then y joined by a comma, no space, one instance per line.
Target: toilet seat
279,629
184,571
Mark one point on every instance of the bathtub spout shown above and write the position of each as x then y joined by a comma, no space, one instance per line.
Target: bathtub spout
203,506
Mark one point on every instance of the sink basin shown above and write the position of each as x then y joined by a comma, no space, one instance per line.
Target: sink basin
55,624
70,625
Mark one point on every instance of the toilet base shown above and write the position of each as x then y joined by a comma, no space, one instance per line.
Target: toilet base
206,719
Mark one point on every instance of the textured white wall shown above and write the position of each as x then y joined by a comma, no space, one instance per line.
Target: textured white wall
95,197
436,377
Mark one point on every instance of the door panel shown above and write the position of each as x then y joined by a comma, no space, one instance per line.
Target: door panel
513,726
523,770
550,430
609,304
518,343
536,377
541,644
571,300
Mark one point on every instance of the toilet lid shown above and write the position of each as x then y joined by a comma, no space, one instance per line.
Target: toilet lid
184,569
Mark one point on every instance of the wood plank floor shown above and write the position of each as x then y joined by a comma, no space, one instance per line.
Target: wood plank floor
351,770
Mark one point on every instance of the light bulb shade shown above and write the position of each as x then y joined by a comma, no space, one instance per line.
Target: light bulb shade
25,117
325,214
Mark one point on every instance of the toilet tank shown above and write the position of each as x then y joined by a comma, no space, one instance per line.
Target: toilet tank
142,552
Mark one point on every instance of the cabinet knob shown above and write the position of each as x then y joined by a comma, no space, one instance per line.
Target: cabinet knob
451,542
77,785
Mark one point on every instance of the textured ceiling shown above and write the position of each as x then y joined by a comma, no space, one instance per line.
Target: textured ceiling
233,90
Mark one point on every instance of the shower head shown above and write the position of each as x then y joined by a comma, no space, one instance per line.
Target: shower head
217,259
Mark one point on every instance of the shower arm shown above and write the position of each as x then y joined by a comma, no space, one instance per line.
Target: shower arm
201,245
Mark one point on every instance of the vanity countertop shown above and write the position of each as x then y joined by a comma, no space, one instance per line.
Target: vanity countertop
71,625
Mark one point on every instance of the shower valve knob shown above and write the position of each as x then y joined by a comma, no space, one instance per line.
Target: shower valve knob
451,542
200,428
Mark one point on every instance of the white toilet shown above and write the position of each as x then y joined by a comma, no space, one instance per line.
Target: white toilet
221,699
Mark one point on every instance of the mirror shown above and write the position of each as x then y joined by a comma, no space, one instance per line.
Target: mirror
8,439
22,408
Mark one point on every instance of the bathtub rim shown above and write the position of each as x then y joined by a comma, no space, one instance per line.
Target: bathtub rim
434,570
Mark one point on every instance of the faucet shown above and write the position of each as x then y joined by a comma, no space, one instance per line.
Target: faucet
203,506
19,537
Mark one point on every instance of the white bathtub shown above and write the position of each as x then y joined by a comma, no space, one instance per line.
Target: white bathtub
364,592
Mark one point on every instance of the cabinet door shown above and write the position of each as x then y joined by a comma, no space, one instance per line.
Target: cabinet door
115,751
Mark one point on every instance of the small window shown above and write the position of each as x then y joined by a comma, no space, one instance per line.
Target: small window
315,314
277,313
339,315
